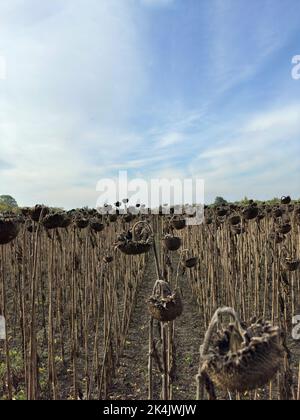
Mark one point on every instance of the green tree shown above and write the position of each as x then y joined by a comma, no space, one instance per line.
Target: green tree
8,203
219,201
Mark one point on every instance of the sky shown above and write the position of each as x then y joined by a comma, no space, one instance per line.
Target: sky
160,88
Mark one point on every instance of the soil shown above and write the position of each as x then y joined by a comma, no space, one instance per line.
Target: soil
132,375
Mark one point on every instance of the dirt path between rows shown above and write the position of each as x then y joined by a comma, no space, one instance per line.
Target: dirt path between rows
131,380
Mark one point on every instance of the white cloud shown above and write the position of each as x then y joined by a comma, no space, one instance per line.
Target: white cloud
76,104
73,73
170,139
259,159
282,118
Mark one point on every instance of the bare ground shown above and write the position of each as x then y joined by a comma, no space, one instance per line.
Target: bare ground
131,380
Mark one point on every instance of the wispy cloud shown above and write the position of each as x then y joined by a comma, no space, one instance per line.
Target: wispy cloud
65,103
259,158
284,119
152,86
170,139
243,38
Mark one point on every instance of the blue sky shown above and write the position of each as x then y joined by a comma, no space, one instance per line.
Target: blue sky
162,88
